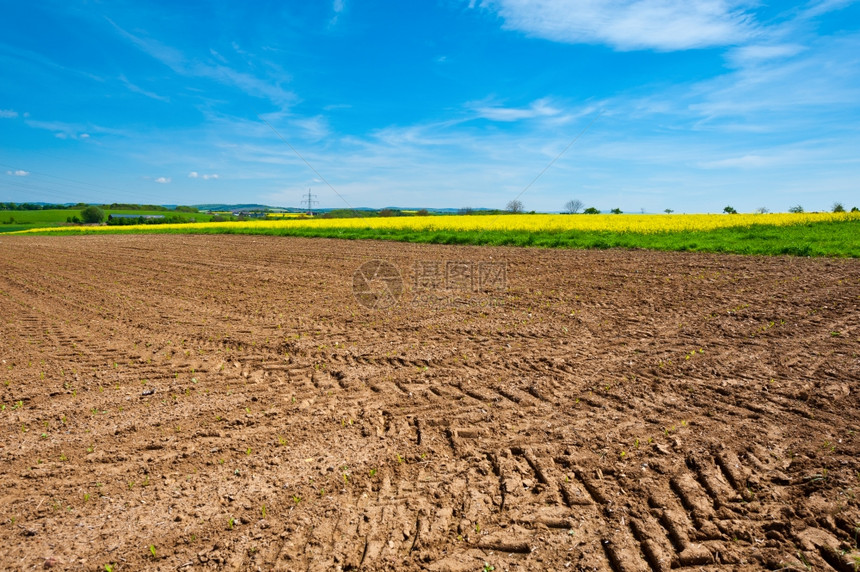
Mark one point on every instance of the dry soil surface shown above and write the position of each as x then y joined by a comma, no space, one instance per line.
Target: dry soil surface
259,403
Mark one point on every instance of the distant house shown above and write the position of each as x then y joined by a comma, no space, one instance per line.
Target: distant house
146,216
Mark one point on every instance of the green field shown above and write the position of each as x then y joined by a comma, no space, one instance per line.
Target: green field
13,221
833,239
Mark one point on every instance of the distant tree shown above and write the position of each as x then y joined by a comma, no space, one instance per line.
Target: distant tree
838,208
465,210
668,211
422,212
855,210
573,207
92,214
591,210
796,209
616,211
762,210
515,206
730,210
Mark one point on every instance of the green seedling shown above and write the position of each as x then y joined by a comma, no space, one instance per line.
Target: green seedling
152,550
230,524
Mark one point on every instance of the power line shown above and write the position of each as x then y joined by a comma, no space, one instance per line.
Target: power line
299,155
563,151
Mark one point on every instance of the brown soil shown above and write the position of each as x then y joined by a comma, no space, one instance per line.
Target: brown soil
229,402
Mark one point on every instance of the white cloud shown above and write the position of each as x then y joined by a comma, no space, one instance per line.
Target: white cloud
8,114
132,87
664,25
18,173
205,177
743,162
63,130
539,108
757,54
162,180
816,81
191,67
337,7
824,6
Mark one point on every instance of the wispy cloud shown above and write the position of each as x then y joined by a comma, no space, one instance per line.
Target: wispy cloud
18,173
630,24
8,114
64,130
190,67
539,108
205,176
337,7
162,180
820,78
134,88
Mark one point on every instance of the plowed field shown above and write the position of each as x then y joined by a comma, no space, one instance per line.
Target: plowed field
257,403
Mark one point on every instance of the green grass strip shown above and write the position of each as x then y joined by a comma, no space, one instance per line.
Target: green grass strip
830,239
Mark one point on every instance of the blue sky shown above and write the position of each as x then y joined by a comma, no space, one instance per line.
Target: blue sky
689,105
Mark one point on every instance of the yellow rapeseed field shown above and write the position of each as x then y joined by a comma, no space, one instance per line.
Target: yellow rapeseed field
634,223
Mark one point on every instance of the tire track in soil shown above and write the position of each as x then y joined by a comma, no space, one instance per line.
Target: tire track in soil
227,401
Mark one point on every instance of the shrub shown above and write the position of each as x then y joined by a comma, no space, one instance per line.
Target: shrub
92,214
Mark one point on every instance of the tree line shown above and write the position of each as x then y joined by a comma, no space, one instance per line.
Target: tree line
112,206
